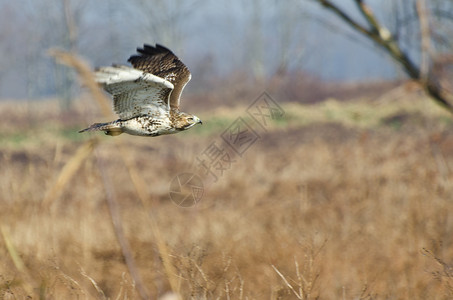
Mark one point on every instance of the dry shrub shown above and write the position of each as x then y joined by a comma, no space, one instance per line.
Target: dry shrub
338,211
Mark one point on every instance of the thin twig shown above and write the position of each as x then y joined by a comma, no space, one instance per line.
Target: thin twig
118,228
17,261
287,283
88,80
71,281
93,282
425,41
299,277
67,172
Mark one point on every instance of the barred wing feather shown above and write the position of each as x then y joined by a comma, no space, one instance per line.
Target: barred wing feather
135,93
162,62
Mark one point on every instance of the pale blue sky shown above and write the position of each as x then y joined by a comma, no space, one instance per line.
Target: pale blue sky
225,31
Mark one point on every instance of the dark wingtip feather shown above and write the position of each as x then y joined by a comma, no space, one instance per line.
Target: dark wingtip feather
162,48
151,50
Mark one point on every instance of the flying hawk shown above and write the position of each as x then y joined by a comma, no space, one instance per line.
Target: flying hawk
146,97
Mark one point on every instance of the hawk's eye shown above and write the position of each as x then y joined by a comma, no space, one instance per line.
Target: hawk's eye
190,119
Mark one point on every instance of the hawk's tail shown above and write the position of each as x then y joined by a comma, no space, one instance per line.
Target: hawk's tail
112,128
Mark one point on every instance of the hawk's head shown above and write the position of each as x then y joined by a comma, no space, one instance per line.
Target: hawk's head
184,121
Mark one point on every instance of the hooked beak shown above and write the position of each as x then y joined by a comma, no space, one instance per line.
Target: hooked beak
197,119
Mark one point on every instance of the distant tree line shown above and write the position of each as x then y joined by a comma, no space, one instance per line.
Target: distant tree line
260,38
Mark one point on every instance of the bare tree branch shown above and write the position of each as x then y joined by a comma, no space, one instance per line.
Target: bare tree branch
329,5
386,41
425,43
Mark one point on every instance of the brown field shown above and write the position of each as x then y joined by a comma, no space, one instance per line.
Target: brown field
339,200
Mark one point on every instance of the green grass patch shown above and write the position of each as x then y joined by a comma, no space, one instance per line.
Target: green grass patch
15,139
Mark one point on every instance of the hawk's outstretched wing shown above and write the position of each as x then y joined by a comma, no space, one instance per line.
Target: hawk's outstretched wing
135,93
162,63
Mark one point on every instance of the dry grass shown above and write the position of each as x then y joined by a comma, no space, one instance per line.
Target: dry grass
350,201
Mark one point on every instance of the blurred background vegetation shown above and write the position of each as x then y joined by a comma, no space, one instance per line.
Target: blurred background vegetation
258,40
